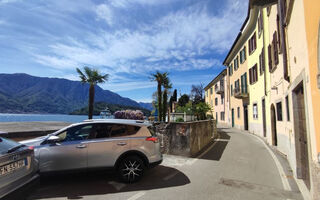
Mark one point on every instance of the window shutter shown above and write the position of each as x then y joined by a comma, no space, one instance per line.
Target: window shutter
269,57
275,47
262,58
254,41
244,53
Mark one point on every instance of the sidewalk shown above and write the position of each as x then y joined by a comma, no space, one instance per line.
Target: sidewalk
281,161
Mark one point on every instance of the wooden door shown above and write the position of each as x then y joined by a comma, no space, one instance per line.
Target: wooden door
301,135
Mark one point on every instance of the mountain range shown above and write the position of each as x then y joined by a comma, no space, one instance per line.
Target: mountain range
23,93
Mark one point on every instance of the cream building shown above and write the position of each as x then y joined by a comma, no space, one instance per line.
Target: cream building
220,101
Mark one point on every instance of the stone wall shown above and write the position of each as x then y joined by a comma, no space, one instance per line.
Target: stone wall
185,138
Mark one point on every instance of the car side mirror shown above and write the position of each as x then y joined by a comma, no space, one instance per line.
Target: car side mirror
53,138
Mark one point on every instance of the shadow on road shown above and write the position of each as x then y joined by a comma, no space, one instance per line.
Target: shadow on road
75,186
216,152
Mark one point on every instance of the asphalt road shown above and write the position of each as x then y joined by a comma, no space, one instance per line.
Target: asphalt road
237,166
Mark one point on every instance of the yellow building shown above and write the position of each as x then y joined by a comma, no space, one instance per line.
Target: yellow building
246,65
273,68
312,31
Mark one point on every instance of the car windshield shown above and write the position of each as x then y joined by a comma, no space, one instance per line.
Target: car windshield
6,145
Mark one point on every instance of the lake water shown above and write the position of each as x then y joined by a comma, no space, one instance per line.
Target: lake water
4,117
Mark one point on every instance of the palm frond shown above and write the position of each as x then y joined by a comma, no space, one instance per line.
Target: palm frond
81,76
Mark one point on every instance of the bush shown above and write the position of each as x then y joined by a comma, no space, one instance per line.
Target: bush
179,120
209,117
129,114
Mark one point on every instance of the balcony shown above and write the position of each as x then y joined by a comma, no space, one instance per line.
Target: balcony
219,89
241,92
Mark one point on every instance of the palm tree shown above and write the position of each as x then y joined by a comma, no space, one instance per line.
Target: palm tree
167,85
159,78
92,77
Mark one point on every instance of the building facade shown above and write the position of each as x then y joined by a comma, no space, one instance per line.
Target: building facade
219,101
273,71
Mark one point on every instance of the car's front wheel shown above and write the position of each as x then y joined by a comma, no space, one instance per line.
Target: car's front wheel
131,169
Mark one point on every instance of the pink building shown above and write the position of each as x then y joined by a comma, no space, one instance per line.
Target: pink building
219,99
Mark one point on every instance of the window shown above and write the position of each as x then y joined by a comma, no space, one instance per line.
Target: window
101,131
216,101
236,63
80,132
211,91
260,23
261,61
243,55
287,106
222,99
230,70
253,74
252,44
237,86
231,87
119,130
279,111
222,116
255,111
244,87
238,112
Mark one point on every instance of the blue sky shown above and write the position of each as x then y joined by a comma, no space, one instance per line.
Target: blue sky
128,39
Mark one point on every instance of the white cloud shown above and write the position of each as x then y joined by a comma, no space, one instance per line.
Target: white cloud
2,2
129,86
128,3
104,12
182,40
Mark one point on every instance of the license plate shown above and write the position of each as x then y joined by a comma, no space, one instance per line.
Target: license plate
6,169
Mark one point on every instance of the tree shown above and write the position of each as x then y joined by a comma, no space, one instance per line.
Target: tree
173,98
92,77
166,85
200,110
183,100
197,93
159,78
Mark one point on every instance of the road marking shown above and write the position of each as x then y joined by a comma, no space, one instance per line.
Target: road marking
283,176
191,162
137,196
171,175
222,140
116,185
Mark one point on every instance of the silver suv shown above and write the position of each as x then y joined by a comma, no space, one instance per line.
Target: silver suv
128,146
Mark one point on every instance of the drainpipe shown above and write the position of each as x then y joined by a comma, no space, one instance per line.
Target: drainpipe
283,40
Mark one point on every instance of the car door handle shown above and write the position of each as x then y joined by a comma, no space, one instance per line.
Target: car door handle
81,146
121,143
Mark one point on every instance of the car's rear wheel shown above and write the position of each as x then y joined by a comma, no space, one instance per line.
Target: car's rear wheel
131,169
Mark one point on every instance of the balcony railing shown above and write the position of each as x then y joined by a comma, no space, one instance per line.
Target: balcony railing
219,89
241,92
